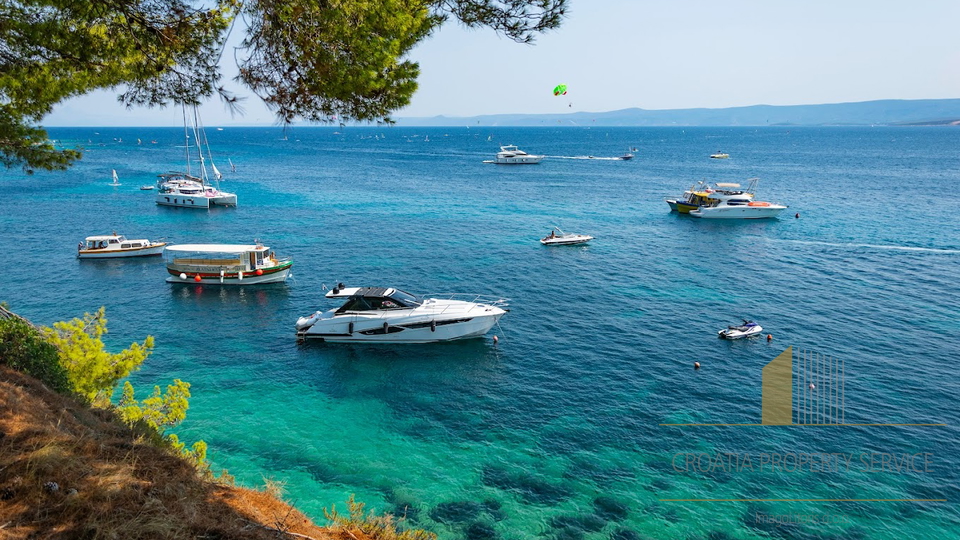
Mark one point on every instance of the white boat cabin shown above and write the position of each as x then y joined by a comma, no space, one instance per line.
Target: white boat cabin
113,241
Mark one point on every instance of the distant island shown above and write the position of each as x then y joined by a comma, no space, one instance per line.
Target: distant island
889,112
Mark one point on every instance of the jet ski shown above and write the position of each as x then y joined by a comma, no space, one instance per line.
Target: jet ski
747,329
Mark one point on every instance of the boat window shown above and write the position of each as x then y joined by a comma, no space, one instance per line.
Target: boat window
405,299
356,303
112,241
124,246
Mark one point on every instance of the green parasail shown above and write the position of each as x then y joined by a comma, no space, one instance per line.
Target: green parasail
560,90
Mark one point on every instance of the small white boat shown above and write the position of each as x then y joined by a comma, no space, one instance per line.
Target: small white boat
225,264
110,246
728,201
116,179
511,155
747,329
719,155
146,188
388,315
564,239
626,157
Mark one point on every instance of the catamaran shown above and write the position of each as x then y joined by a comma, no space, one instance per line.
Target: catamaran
183,189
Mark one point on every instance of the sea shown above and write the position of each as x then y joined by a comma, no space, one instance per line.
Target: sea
586,418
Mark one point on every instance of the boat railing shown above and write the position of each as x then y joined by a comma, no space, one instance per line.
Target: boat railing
483,299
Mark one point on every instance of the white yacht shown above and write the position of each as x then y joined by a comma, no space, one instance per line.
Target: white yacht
225,264
184,190
728,201
511,155
564,239
387,315
115,245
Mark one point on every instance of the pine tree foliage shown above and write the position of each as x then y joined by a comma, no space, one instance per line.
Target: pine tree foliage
92,371
320,61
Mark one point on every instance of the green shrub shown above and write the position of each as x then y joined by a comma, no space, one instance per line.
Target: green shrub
23,348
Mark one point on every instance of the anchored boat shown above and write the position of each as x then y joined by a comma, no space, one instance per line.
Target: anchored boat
389,315
225,264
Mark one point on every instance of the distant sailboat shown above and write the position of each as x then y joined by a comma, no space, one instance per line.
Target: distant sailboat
233,168
116,179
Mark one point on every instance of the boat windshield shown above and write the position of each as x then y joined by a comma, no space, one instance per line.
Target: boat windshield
406,299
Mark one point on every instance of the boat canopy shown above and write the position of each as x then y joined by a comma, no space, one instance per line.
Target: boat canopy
106,237
217,248
728,184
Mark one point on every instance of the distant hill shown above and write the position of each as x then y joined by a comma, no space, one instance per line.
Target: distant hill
882,112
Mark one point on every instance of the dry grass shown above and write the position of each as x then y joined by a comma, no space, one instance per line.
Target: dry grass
114,485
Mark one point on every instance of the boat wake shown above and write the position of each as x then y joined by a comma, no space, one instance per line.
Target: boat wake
588,157
875,246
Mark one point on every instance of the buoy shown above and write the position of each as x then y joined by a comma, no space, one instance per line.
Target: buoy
813,386
386,328
350,329
696,365
259,272
240,276
183,276
496,340
221,276
433,326
769,337
797,216
197,278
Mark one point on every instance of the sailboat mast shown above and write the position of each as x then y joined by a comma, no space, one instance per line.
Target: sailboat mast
199,143
186,137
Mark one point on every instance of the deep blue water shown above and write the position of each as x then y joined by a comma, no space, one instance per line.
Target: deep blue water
555,432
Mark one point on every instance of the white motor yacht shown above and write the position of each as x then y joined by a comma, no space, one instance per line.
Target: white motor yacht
388,315
511,155
728,201
564,239
115,245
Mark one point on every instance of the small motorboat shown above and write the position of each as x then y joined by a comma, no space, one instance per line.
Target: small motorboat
110,246
564,239
719,155
146,188
747,329
627,156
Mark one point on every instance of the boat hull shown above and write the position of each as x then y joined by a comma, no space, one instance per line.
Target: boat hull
370,330
121,253
276,274
566,241
681,206
183,201
739,212
526,160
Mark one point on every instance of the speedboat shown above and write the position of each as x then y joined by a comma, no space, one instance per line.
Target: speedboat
564,239
747,329
719,155
626,156
730,202
225,264
115,245
146,187
388,315
511,155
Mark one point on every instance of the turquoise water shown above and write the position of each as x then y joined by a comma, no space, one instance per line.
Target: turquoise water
556,431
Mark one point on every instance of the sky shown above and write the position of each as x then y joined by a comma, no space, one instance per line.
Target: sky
652,54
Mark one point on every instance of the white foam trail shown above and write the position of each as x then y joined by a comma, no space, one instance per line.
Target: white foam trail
874,246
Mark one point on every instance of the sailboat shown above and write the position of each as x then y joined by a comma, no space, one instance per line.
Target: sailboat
183,189
233,168
116,179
